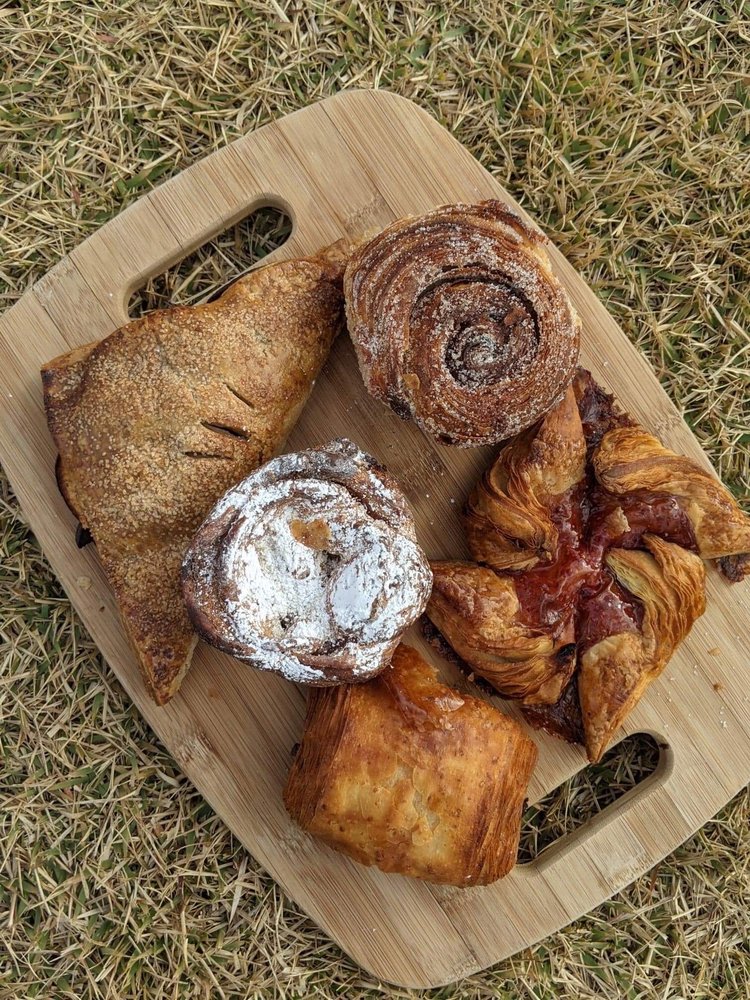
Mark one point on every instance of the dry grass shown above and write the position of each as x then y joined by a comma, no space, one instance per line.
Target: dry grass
623,128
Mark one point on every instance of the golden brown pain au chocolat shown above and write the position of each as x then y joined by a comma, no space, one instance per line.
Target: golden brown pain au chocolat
406,774
156,421
588,536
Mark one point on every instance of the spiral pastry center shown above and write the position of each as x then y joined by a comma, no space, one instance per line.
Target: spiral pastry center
488,329
460,323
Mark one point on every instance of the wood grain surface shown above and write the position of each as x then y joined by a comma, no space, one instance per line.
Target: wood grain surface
342,167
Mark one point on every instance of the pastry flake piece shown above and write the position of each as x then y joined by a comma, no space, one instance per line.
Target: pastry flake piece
406,774
156,421
587,534
477,610
668,582
459,322
508,522
309,567
629,459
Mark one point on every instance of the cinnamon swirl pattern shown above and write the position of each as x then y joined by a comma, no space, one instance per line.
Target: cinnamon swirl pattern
459,322
309,567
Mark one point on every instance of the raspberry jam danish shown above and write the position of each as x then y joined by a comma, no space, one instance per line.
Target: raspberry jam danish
588,536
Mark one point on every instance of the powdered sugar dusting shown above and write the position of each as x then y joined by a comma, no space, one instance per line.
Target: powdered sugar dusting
317,571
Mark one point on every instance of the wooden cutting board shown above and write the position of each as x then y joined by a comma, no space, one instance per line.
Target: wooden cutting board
344,166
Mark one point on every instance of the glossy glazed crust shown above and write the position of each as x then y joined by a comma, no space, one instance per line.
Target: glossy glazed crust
632,595
509,528
459,322
153,423
614,673
406,774
507,519
476,610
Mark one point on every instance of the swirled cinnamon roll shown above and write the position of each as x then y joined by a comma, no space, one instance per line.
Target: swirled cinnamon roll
309,567
459,322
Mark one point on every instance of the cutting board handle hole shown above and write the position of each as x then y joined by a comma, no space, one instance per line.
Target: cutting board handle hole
589,793
214,264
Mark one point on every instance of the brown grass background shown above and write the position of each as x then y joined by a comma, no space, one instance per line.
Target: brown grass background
624,128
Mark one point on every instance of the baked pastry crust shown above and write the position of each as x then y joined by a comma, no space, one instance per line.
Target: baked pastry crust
629,458
309,567
406,774
588,535
614,672
459,322
507,518
477,610
154,422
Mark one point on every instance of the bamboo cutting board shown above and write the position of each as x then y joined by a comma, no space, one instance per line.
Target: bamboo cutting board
344,166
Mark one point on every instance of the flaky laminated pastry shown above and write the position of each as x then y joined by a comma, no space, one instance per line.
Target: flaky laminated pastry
409,775
588,536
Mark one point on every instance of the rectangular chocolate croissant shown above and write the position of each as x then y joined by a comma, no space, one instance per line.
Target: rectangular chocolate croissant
409,775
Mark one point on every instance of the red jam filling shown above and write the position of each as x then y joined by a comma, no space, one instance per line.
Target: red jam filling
577,582
577,587
606,610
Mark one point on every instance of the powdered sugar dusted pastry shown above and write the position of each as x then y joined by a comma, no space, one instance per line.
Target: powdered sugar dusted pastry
459,322
309,567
